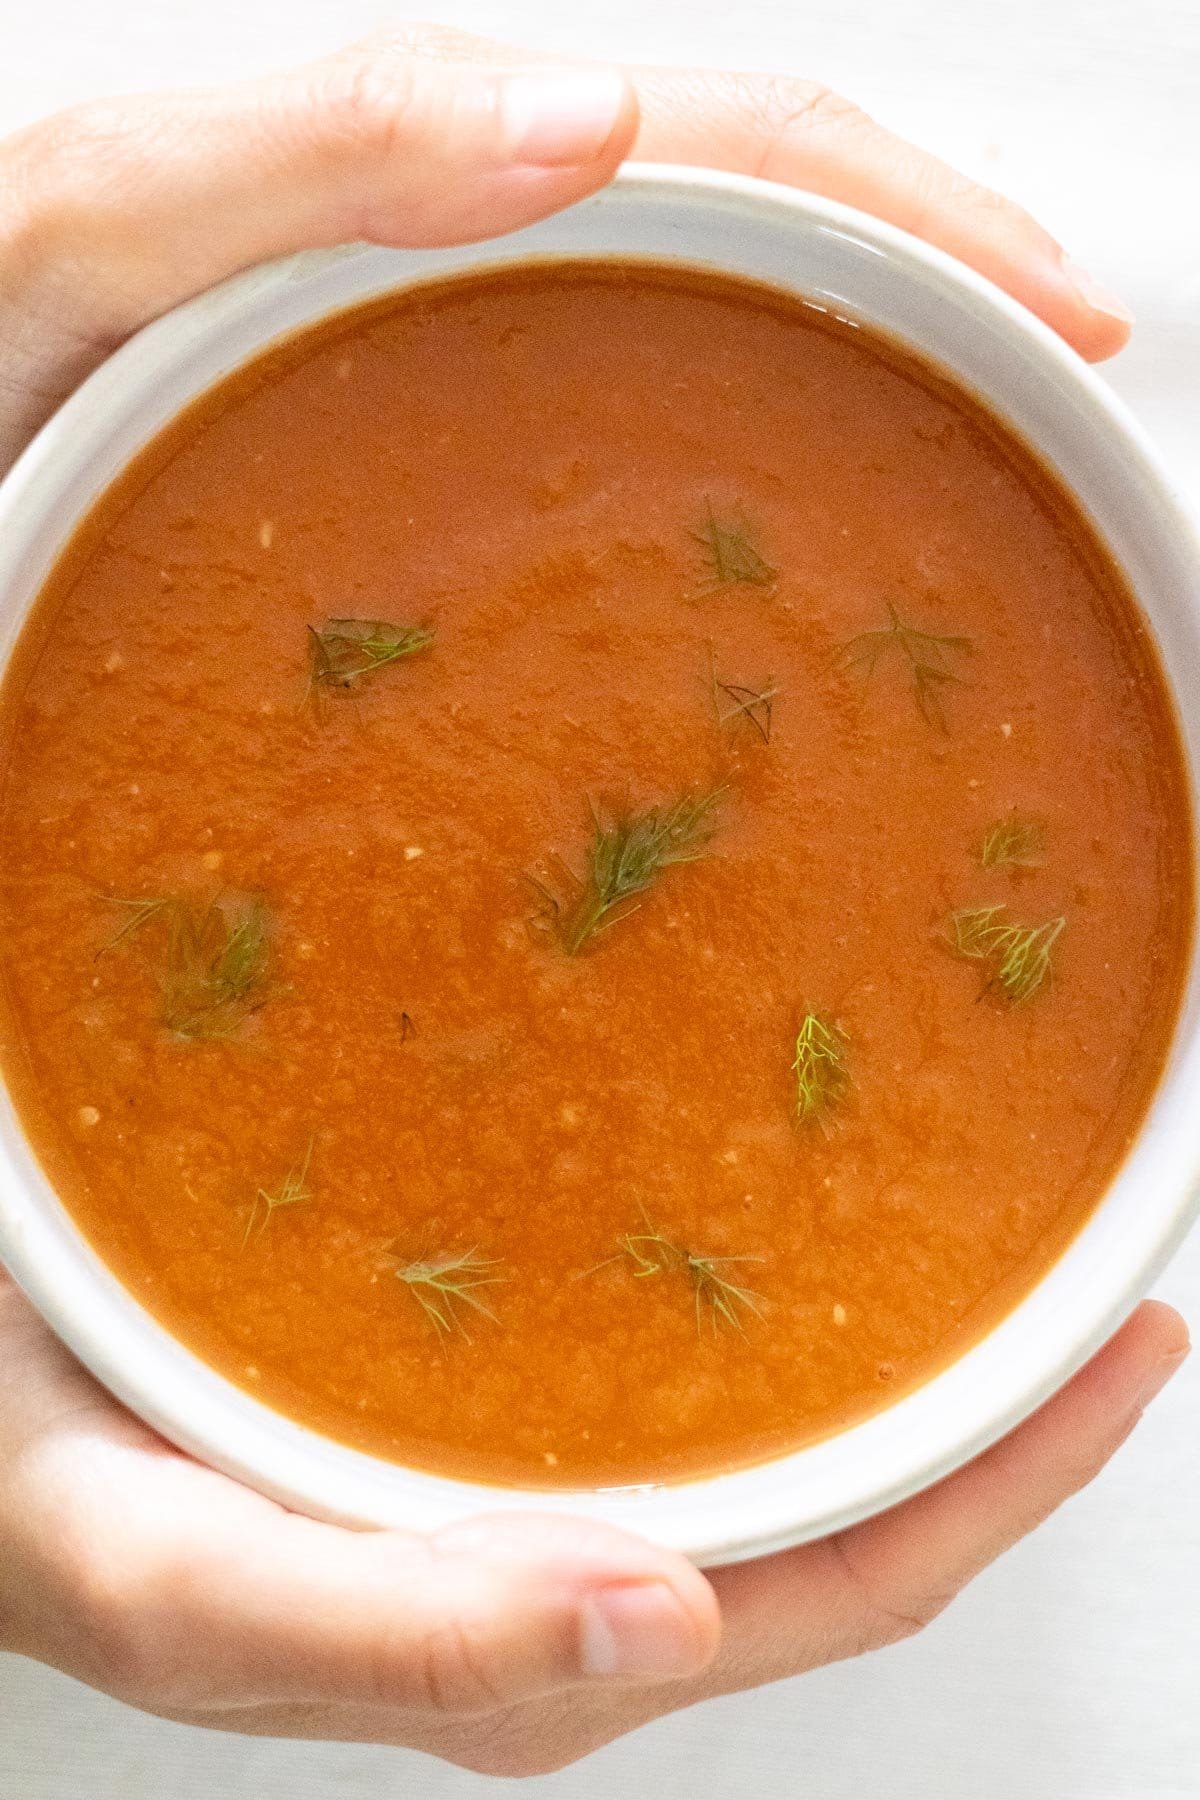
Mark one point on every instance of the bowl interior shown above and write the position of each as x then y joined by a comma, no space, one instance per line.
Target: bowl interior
863,271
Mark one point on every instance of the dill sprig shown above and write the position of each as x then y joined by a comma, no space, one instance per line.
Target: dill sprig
216,967
733,700
1017,956
442,1284
819,1067
927,654
215,960
344,650
628,853
293,1190
731,557
1014,843
718,1296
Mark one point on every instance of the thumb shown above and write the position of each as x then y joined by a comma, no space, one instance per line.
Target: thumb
115,210
486,1614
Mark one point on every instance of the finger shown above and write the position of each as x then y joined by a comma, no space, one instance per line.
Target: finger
802,134
484,1616
114,211
919,1555
262,1608
886,1578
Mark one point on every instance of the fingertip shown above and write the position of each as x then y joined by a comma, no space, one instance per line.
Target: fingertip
1124,1376
661,1623
567,118
1163,1326
1152,1346
1092,319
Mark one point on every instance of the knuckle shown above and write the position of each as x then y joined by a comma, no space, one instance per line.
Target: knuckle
881,1618
69,159
455,1673
786,115
62,177
368,104
1093,1457
427,38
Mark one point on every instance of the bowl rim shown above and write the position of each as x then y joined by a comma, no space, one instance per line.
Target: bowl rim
716,1518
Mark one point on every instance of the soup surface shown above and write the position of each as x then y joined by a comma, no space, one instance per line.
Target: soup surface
595,875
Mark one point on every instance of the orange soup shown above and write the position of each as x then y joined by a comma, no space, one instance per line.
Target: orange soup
595,875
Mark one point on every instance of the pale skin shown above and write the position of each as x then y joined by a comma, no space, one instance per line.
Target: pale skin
510,1645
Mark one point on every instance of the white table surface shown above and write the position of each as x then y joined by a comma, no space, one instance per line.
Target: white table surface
1072,1670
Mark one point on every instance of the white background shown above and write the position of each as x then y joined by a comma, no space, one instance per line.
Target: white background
1072,1670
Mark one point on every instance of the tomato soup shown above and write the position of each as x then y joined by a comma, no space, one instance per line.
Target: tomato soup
595,875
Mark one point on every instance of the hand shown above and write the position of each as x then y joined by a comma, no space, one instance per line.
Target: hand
511,1645
115,211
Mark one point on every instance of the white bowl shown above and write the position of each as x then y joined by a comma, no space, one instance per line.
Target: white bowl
863,270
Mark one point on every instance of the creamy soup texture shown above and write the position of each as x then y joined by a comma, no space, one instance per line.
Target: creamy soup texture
595,875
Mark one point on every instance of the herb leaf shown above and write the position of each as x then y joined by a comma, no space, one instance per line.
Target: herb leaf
719,1298
440,1284
214,972
293,1190
627,854
1014,843
733,700
927,654
140,912
216,967
344,650
819,1067
730,555
1017,956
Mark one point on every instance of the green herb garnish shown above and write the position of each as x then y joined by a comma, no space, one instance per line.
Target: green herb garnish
443,1284
214,971
344,650
293,1190
216,967
1017,956
926,653
819,1067
1014,843
718,1297
731,557
628,853
140,912
734,700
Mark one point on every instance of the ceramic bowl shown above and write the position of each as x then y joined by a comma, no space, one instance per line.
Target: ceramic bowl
862,270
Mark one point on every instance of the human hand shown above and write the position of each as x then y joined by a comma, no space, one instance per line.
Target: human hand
113,212
512,1644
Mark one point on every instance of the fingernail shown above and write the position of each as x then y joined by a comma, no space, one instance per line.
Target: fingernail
1097,296
1157,1378
560,118
637,1628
